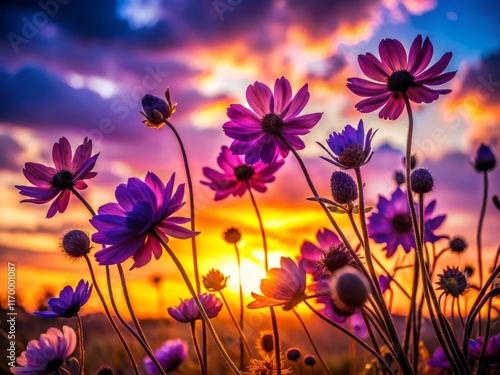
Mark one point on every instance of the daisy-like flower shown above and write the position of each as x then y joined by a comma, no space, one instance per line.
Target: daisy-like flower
188,310
311,254
453,281
255,132
397,74
156,110
351,148
170,355
143,206
492,353
391,223
48,354
69,302
58,182
237,177
283,286
266,366
214,280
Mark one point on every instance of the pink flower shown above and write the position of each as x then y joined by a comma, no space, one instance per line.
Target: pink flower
284,286
256,132
237,177
188,310
58,182
311,254
399,74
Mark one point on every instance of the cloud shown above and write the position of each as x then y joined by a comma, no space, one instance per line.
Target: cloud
9,151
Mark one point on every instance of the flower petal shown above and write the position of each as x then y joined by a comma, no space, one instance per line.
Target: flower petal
259,98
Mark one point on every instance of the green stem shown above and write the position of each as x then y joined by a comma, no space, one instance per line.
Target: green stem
242,308
80,344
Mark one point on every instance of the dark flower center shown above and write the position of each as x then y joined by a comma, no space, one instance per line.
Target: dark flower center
243,172
400,81
71,311
401,223
63,179
53,365
272,123
352,156
335,258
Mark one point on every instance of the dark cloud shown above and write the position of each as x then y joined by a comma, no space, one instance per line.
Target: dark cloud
9,150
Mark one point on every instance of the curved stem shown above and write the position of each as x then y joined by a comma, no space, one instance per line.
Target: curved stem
80,344
203,313
197,347
242,309
261,225
82,199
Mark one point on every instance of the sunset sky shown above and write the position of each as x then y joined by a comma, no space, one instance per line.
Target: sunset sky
80,69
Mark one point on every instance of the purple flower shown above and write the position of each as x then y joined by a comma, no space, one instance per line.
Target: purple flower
237,177
156,110
492,354
69,303
391,224
48,354
188,310
484,159
351,148
283,286
58,182
311,254
170,355
127,225
397,74
256,131
439,361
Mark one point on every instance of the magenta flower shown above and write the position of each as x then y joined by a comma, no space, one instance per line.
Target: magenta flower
170,355
398,74
391,223
237,177
188,310
69,303
439,361
127,225
283,286
311,254
58,182
256,131
351,148
48,354
492,353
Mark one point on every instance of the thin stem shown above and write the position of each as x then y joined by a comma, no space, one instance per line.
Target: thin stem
485,339
203,313
80,344
479,239
312,342
242,308
82,199
197,347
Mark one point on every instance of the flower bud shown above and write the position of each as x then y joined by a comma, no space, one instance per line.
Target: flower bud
458,244
335,257
484,160
76,243
349,289
344,189
421,181
214,280
399,177
413,162
293,354
309,360
157,111
232,235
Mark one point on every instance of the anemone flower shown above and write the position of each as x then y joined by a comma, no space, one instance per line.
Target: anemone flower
492,353
237,177
397,74
283,286
170,355
58,182
351,148
69,302
48,354
143,206
391,223
311,254
188,310
256,131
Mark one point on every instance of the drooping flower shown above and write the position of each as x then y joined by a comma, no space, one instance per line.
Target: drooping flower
48,354
396,74
256,132
283,286
351,148
156,110
68,174
214,280
143,206
187,311
453,281
439,361
237,177
170,355
484,159
491,355
311,254
391,223
69,302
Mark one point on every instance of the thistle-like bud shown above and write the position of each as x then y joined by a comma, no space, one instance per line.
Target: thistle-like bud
484,160
458,244
214,280
156,110
76,243
344,189
453,281
265,342
422,181
232,235
309,360
335,257
293,354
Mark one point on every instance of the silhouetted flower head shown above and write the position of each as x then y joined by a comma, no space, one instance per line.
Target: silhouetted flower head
48,354
156,110
105,370
143,206
439,361
492,354
188,310
265,343
397,73
293,354
453,281
484,160
351,148
336,257
266,366
214,280
76,243
256,132
68,174
391,223
69,302
237,177
422,181
311,254
399,177
458,244
170,355
232,235
349,289
309,360
283,286
343,187
413,161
